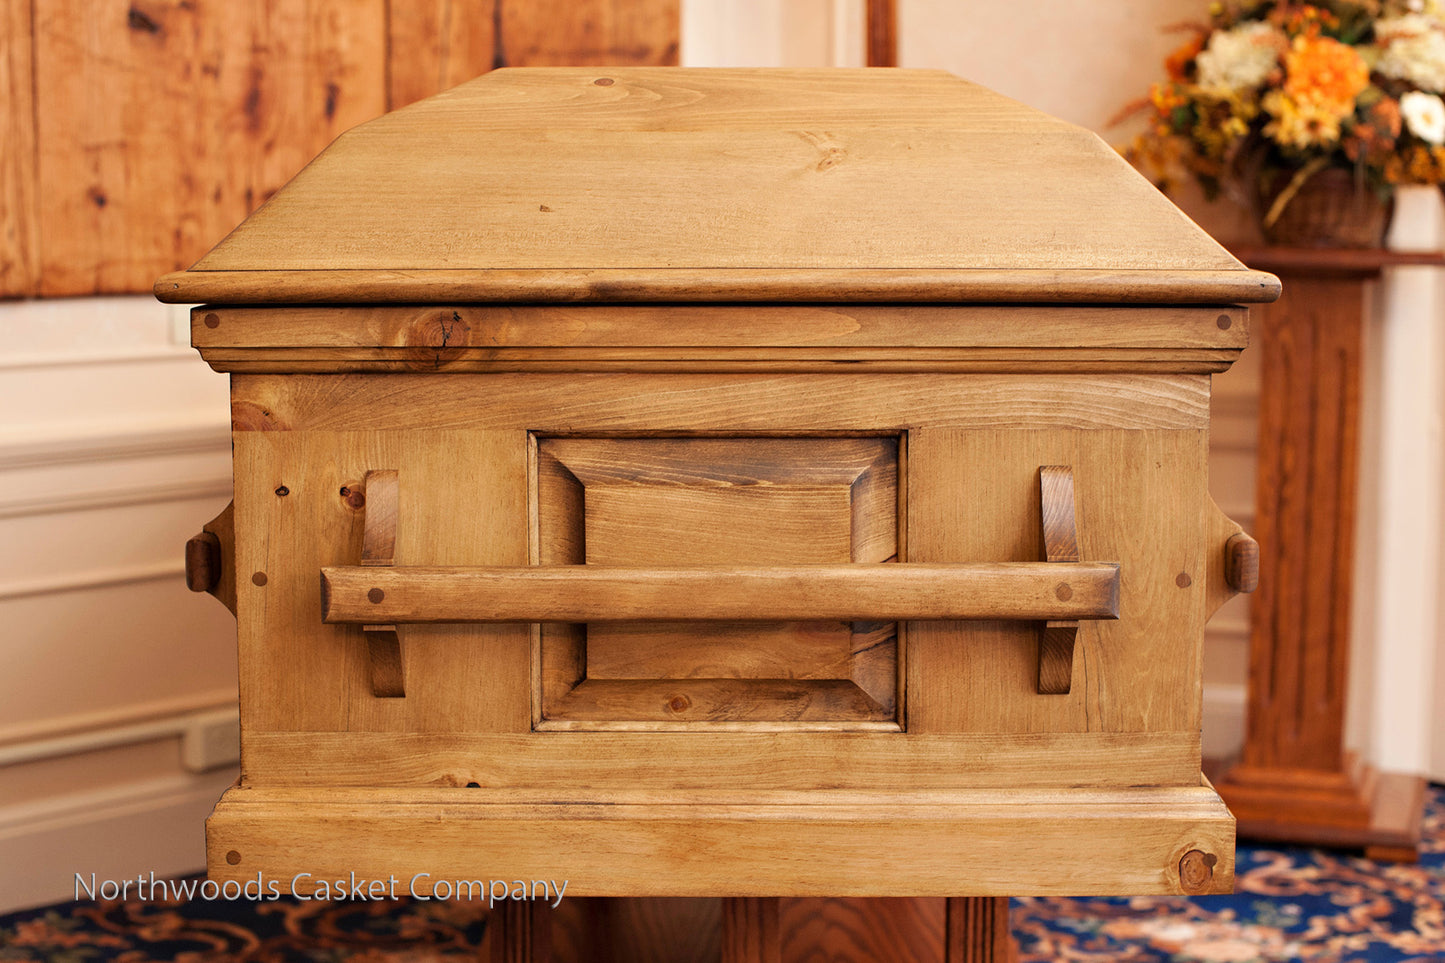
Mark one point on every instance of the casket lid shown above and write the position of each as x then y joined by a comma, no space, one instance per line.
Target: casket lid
666,184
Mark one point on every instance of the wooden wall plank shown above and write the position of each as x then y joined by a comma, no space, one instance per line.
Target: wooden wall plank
162,124
18,243
138,134
433,45
547,33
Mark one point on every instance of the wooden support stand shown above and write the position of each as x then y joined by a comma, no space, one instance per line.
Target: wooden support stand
753,930
1294,782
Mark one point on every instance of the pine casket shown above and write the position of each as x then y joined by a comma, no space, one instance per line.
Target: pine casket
726,482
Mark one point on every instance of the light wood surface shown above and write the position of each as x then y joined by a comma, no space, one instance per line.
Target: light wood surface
683,405
1122,841
378,497
927,284
806,173
712,598
801,593
720,337
691,501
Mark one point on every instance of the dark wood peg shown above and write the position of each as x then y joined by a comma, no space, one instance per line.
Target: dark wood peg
203,562
1241,563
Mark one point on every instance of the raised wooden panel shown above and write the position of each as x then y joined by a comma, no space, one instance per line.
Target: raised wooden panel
684,501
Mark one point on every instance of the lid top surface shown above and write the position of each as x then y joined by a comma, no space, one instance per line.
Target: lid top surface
636,172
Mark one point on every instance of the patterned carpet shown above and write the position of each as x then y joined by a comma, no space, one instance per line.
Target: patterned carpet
1289,904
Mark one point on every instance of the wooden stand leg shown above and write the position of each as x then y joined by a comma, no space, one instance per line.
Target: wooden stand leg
978,930
750,931
519,932
1294,782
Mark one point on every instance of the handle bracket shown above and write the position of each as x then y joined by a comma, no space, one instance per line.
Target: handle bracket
1061,544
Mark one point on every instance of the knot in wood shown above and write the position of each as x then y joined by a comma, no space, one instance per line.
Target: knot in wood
1196,871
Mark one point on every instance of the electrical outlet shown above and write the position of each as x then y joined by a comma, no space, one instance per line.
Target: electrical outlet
211,740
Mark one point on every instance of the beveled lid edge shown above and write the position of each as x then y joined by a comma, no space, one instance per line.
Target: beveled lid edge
944,286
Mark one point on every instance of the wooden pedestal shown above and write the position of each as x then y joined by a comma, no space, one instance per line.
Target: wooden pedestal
750,930
1294,782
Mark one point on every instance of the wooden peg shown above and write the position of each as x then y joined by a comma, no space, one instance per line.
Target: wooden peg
210,559
1241,563
1061,544
378,549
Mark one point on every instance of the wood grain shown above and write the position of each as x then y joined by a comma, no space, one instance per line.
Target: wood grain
433,45
19,215
1061,544
378,549
564,764
1120,842
882,28
862,930
595,593
539,33
127,192
1139,500
751,931
381,199
978,930
1041,285
290,537
681,404
691,501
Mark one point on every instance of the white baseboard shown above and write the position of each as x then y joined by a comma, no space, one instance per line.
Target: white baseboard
156,826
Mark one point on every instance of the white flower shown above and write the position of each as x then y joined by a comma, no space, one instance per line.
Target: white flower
1412,48
1425,116
1238,59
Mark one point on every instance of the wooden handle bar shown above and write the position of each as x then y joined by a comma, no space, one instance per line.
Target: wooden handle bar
884,592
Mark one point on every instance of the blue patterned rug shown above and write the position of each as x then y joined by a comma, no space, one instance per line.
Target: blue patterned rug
1289,904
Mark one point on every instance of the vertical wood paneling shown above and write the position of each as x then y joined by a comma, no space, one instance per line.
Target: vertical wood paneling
18,244
541,33
162,124
137,133
433,45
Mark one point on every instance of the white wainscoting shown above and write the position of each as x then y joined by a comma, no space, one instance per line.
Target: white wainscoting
114,449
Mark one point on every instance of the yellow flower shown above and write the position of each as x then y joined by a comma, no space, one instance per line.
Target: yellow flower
1300,125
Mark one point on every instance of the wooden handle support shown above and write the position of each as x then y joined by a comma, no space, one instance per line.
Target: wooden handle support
210,556
1234,567
378,548
1061,545
884,592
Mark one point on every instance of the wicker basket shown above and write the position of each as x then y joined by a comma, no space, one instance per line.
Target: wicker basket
1331,209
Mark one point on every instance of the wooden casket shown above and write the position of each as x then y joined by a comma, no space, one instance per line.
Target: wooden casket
722,483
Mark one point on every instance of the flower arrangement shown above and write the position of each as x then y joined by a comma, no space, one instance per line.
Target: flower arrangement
1270,93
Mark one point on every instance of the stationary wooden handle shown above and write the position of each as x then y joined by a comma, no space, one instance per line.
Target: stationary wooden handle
882,592
1241,563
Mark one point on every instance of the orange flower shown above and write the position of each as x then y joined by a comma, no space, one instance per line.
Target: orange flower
1180,59
1325,74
